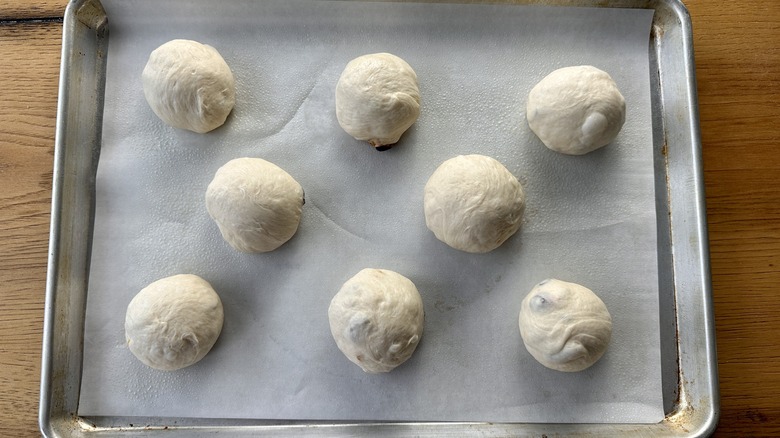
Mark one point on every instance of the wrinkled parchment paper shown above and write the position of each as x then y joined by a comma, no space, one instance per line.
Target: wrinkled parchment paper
589,219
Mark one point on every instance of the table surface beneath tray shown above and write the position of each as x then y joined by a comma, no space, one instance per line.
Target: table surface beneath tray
738,73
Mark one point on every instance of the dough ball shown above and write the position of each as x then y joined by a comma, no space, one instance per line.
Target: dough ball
473,203
564,326
173,322
576,110
189,85
377,98
376,319
256,205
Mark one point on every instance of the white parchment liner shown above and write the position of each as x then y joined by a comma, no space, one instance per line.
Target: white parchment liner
589,219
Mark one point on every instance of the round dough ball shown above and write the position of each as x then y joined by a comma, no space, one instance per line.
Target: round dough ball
256,205
377,98
576,110
173,322
376,319
189,85
473,203
564,326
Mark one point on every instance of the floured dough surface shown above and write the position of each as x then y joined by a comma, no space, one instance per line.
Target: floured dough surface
255,203
576,110
473,203
189,86
173,322
564,326
376,319
377,98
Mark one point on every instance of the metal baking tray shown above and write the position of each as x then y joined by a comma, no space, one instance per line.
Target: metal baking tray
689,363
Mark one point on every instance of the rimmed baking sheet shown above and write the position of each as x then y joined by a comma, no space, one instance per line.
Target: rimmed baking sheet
177,149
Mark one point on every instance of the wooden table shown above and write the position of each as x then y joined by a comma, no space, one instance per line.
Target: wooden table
737,50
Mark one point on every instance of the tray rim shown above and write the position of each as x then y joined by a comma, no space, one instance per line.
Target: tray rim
694,413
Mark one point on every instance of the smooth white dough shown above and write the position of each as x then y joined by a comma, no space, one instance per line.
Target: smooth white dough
376,319
473,203
377,98
173,322
189,85
576,110
564,326
256,204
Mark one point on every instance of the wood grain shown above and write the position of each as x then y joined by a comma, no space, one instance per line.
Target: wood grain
737,50
30,55
31,9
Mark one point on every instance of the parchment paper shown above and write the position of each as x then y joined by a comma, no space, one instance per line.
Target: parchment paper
589,219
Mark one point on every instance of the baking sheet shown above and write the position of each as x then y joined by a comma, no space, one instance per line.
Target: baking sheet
589,219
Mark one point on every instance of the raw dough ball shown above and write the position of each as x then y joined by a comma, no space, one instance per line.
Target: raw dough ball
173,322
576,110
473,203
564,326
377,98
256,205
376,319
189,85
